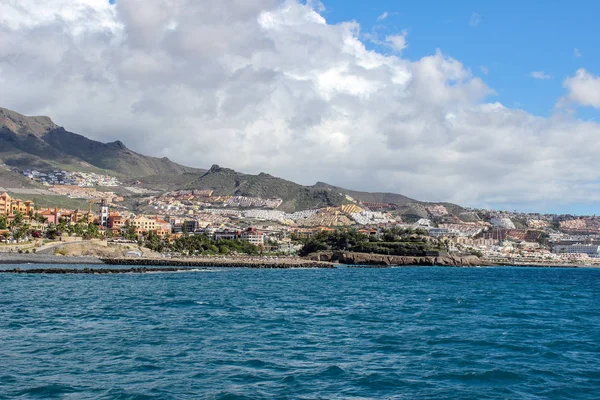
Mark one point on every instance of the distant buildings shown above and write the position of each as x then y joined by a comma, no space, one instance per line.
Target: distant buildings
144,224
591,249
82,179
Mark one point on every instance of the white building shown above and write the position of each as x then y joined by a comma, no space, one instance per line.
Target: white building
253,237
436,232
592,250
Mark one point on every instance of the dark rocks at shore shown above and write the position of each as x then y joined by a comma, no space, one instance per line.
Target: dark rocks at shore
368,259
90,271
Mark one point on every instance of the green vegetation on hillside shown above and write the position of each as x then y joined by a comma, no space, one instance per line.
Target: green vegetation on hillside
169,182
11,179
43,201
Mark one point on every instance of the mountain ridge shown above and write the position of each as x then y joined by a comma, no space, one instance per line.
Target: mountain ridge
37,142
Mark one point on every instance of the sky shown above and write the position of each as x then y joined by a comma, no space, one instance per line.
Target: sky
486,104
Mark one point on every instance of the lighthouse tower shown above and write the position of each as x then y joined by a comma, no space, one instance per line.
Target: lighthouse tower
104,213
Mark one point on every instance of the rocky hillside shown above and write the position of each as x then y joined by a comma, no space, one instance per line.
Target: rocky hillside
227,182
37,142
368,197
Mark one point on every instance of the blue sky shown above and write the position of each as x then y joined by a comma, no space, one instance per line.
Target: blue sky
511,39
265,85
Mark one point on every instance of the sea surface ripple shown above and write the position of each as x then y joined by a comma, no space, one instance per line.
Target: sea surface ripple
402,333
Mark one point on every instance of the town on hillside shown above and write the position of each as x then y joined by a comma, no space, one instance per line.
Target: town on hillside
198,222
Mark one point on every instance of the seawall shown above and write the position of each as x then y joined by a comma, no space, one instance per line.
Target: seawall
15,258
222,263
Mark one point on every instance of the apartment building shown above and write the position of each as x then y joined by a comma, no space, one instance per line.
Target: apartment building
252,236
10,206
591,249
144,224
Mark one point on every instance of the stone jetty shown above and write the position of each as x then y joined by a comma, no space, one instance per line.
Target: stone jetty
90,271
221,263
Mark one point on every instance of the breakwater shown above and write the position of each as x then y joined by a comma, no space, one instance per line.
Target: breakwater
91,271
221,263
15,258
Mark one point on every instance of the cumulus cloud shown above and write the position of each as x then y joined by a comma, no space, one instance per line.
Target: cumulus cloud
577,53
397,42
265,85
540,75
583,88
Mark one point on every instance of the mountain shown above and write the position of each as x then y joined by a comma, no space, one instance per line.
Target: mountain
393,198
409,208
37,142
227,182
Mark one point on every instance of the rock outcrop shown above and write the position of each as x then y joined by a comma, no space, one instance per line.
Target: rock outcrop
386,260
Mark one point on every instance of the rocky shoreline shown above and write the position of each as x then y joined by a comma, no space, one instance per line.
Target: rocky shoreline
317,260
367,259
222,263
237,262
90,271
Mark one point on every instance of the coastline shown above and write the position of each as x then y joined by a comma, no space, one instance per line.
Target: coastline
316,261
226,262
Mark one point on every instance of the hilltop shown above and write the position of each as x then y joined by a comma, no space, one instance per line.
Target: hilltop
37,142
227,182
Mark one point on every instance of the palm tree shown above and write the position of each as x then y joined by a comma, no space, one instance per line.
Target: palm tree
15,225
22,231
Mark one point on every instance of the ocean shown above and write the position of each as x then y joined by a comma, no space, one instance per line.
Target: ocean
400,333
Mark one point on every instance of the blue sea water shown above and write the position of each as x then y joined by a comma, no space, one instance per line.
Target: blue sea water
403,333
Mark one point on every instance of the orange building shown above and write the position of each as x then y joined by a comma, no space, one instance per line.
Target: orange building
9,206
144,224
76,216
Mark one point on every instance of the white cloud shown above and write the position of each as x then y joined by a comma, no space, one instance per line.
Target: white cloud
577,53
475,19
484,70
383,16
397,42
540,75
265,85
583,88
